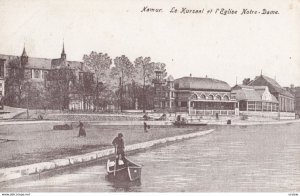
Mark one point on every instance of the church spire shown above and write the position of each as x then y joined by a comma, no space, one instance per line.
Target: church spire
24,51
24,57
63,54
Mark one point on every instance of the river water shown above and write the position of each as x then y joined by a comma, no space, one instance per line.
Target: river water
262,158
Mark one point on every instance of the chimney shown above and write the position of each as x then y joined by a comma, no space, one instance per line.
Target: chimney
190,75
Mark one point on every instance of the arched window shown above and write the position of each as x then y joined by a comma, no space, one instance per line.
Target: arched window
218,97
210,97
226,97
202,96
194,96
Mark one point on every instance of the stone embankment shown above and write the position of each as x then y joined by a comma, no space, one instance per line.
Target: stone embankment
13,173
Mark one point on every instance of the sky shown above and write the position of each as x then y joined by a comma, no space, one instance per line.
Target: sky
226,47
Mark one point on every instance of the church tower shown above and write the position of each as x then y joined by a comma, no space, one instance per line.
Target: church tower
63,54
24,57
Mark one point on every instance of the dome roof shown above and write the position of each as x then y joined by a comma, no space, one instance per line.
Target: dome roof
195,83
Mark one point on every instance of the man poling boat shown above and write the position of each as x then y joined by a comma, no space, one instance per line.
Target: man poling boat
122,169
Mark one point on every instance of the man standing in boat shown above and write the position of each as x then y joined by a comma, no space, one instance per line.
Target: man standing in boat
118,142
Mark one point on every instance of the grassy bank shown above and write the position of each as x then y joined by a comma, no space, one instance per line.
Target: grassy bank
27,144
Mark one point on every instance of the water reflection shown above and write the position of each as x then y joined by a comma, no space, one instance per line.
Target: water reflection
125,186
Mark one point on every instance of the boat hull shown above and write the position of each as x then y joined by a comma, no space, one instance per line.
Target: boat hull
131,172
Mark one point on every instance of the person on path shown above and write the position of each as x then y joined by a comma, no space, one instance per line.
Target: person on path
145,127
118,143
81,130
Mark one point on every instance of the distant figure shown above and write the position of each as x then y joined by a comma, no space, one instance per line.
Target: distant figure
81,130
146,117
145,127
118,142
178,118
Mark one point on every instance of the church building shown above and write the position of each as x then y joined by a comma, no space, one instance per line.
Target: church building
37,69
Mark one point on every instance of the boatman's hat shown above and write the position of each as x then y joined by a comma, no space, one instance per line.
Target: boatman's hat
120,135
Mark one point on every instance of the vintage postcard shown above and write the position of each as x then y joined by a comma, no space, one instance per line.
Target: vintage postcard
149,96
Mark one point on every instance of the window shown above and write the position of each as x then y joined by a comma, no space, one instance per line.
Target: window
274,107
226,97
269,106
1,69
194,96
210,97
264,105
218,97
36,73
251,105
202,97
44,76
258,106
81,76
183,104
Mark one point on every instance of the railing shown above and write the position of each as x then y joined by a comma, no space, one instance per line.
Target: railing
212,112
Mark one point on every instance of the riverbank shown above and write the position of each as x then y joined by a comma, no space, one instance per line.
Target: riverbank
13,173
35,142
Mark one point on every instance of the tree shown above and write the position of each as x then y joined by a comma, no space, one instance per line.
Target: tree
246,81
33,95
58,84
144,75
122,73
99,64
14,83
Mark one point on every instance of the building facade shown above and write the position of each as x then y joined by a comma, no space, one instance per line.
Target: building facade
285,98
255,101
38,69
296,92
195,96
297,101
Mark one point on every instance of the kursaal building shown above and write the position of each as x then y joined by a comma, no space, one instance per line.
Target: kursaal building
211,98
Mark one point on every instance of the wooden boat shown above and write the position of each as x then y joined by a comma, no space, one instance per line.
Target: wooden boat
186,123
122,172
196,123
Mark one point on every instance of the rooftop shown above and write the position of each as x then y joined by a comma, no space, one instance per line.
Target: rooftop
197,83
